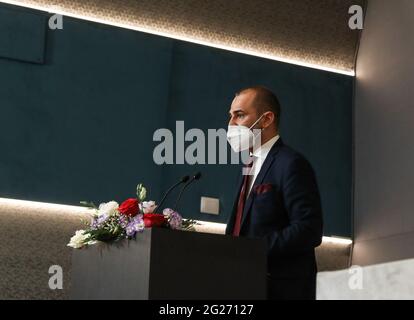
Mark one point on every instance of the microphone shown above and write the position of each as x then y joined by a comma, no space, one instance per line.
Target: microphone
182,180
195,177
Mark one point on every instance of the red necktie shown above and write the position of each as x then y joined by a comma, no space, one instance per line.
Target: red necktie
242,200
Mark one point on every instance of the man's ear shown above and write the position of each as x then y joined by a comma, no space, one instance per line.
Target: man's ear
268,119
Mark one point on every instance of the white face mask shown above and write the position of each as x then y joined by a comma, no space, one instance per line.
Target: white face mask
241,138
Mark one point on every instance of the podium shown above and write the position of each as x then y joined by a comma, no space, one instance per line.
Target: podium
170,264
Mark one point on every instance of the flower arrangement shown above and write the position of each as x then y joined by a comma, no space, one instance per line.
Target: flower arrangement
112,222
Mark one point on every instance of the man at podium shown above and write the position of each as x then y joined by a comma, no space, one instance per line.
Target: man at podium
277,196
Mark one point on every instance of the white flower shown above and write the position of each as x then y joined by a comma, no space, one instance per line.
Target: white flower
109,209
78,240
147,206
90,242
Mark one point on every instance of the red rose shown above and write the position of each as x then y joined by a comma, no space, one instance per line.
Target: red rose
129,207
154,220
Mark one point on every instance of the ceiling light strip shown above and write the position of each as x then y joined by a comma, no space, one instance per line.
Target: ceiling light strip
53,9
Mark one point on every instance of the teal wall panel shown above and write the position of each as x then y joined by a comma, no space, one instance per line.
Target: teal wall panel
79,127
22,34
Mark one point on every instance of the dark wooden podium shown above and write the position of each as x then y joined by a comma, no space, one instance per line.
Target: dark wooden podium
170,264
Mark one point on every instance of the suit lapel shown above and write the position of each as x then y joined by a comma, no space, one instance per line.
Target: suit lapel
259,179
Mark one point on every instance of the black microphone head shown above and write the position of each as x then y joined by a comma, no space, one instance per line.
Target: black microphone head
197,176
185,178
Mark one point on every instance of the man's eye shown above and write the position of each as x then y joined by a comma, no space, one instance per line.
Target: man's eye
240,116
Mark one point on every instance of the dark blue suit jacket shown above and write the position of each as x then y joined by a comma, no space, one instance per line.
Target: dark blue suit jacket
288,217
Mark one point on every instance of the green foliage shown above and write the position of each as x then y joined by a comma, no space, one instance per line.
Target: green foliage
88,204
141,192
188,224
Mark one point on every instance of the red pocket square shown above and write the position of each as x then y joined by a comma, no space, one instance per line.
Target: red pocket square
262,188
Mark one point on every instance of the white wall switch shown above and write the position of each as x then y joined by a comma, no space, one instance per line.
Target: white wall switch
209,205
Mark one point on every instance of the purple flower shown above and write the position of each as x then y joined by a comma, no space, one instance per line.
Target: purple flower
123,221
175,220
167,213
94,224
102,218
136,224
97,222
130,230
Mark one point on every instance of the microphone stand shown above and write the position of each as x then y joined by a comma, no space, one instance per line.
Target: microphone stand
193,178
183,180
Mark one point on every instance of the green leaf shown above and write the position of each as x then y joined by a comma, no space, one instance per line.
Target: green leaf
101,235
88,204
141,192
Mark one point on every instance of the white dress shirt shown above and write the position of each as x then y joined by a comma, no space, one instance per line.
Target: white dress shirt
259,157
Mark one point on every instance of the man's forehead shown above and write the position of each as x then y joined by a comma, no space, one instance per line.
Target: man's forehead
242,101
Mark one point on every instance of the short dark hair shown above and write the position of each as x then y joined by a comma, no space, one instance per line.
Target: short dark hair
265,100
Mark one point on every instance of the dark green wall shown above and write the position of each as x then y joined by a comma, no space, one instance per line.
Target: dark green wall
80,125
